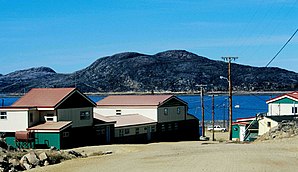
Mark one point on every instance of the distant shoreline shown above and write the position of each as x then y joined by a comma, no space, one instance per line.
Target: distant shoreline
168,92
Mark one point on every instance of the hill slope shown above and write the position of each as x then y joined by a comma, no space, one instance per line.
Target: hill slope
174,70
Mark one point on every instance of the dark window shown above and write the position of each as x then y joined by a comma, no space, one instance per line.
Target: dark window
126,131
31,117
118,112
121,132
235,129
169,127
294,109
3,115
178,110
165,111
163,128
137,130
152,128
85,115
268,124
65,134
176,126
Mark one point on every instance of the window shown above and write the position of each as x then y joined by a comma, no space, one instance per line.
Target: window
235,129
121,132
65,134
85,115
152,128
170,127
3,115
137,130
163,128
178,110
268,124
165,111
126,131
176,126
118,112
294,110
31,117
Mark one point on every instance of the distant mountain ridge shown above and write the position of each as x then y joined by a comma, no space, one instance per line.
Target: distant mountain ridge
173,70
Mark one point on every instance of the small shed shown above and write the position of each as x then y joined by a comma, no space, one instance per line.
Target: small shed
50,134
238,131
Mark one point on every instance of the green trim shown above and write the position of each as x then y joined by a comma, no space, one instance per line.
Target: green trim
285,101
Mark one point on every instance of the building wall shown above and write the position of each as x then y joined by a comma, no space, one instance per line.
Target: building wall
147,111
143,129
74,115
16,121
168,114
282,107
263,125
46,140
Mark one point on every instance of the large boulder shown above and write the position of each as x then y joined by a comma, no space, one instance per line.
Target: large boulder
43,156
32,158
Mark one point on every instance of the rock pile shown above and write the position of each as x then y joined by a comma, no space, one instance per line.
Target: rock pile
20,160
13,160
284,129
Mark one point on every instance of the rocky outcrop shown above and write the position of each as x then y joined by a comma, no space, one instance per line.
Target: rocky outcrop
174,70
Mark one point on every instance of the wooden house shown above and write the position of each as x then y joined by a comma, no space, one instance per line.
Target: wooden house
166,114
55,116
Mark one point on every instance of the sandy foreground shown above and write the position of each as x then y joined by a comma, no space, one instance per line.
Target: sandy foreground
274,155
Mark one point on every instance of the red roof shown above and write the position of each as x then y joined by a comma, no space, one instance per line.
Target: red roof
51,125
43,97
291,95
133,100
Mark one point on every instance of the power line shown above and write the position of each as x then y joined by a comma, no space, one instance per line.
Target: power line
282,48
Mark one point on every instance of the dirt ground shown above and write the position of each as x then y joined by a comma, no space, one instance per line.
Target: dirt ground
274,155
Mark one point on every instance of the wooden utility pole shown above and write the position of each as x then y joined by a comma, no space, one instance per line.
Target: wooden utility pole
203,109
213,118
229,59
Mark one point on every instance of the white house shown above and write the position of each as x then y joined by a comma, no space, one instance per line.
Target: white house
285,104
167,111
280,108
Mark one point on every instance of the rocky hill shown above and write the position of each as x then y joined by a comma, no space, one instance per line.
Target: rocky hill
174,70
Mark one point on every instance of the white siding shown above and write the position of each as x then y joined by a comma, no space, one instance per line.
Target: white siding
281,109
172,114
74,116
147,111
241,133
263,125
16,121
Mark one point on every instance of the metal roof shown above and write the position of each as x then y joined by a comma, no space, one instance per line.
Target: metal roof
129,120
134,100
51,125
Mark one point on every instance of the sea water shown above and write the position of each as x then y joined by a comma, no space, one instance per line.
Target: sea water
243,105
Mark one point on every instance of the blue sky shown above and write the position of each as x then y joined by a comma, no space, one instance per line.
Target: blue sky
69,35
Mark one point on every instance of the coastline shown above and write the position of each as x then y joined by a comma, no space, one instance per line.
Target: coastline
235,93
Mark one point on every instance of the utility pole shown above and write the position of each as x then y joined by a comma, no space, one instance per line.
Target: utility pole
229,59
203,109
213,117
